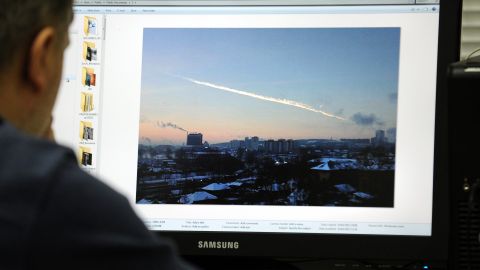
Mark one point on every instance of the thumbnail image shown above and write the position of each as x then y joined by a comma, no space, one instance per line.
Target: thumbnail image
86,130
90,25
89,77
270,116
86,102
86,156
89,51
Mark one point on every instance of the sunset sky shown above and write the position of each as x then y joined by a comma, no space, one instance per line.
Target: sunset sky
272,83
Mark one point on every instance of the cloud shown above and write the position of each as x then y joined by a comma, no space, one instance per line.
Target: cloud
367,120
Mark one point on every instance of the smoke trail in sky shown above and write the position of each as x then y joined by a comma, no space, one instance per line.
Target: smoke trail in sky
266,98
171,125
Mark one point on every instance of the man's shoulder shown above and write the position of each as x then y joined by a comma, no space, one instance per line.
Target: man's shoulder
59,211
41,183
24,158
30,169
35,172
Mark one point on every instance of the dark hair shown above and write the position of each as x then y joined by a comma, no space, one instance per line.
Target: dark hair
21,20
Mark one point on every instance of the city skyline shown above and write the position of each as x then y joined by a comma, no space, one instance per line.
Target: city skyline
391,137
229,84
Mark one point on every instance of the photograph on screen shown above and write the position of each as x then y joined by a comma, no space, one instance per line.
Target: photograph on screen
86,130
89,78
86,102
89,51
90,25
85,156
268,116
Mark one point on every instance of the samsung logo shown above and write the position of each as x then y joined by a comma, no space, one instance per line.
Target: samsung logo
218,245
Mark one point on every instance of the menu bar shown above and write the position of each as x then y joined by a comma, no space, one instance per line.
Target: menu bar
256,10
251,2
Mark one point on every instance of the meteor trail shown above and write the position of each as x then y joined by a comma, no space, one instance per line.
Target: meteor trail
266,98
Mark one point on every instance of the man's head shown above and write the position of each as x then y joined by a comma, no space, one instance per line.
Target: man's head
33,37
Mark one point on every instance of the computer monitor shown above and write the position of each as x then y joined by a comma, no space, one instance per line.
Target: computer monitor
277,128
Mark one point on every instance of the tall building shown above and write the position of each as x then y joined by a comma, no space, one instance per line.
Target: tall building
269,146
195,139
290,145
392,135
248,143
380,136
281,146
255,143
251,143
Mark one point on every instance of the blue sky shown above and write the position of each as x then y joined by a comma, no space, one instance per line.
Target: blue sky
350,73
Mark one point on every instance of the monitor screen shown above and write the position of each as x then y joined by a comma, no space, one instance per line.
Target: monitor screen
261,118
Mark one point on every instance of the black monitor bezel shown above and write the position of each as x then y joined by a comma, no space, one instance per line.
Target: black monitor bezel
366,247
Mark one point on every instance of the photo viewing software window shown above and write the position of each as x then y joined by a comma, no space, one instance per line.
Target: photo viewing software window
285,119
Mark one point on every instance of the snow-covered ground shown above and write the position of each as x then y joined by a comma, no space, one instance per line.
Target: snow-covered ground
339,164
216,186
196,197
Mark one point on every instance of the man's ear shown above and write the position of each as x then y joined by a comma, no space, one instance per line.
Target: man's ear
38,61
